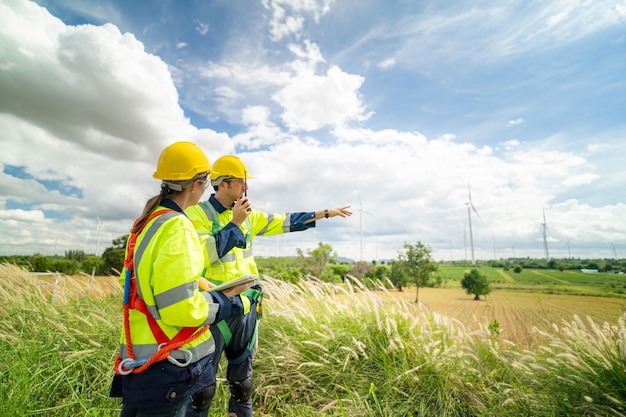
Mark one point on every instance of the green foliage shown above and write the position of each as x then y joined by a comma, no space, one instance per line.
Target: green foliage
92,262
340,270
475,283
361,269
284,269
120,242
41,263
77,255
418,264
517,269
65,266
494,328
112,260
380,272
398,275
316,260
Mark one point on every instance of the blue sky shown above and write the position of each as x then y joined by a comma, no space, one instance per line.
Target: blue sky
393,107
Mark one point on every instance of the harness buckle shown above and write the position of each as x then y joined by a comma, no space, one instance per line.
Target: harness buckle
174,361
130,364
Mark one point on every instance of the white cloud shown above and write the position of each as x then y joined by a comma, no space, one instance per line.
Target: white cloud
515,122
202,28
21,215
311,102
87,106
261,131
287,15
98,128
477,34
386,64
309,53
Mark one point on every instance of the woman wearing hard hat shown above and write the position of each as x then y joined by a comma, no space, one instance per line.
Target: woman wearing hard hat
166,348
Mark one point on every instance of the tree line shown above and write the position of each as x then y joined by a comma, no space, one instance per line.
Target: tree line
414,266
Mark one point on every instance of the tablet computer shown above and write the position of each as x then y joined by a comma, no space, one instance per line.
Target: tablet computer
241,280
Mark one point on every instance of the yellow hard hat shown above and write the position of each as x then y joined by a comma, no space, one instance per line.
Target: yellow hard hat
230,166
181,161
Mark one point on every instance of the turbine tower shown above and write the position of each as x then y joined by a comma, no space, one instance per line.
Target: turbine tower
470,207
544,226
99,229
361,211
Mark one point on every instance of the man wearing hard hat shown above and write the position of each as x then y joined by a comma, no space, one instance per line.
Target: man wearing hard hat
228,224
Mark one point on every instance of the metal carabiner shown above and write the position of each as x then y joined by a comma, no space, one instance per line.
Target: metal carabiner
175,361
128,370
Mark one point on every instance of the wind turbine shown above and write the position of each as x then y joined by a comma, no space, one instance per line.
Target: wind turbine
99,229
544,226
361,211
470,207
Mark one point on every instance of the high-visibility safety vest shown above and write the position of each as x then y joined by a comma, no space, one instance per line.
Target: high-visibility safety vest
168,261
238,261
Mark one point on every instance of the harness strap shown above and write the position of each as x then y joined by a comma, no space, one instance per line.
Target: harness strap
132,301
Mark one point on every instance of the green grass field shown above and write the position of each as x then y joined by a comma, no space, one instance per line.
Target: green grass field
546,281
335,350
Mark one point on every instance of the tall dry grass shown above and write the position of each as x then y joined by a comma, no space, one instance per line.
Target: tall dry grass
344,350
324,350
58,343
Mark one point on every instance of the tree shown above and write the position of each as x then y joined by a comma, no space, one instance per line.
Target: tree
113,257
318,259
418,264
398,276
475,283
361,269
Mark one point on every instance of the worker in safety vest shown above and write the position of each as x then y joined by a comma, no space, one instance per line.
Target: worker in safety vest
166,351
228,224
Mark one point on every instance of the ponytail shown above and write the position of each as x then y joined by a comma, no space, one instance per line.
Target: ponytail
151,205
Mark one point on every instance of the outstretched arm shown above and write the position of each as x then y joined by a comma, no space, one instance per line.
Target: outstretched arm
328,213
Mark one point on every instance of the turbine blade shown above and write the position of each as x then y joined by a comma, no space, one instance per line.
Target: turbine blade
475,211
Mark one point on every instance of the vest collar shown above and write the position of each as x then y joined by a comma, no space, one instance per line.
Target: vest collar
167,203
215,203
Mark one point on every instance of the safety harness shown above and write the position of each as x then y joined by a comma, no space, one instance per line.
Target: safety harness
133,301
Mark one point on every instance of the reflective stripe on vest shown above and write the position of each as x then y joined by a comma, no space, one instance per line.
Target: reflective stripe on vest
158,222
196,348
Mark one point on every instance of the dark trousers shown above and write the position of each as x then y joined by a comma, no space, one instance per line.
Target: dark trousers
171,410
239,352
162,390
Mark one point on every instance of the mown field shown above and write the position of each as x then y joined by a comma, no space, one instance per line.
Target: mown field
548,281
520,302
